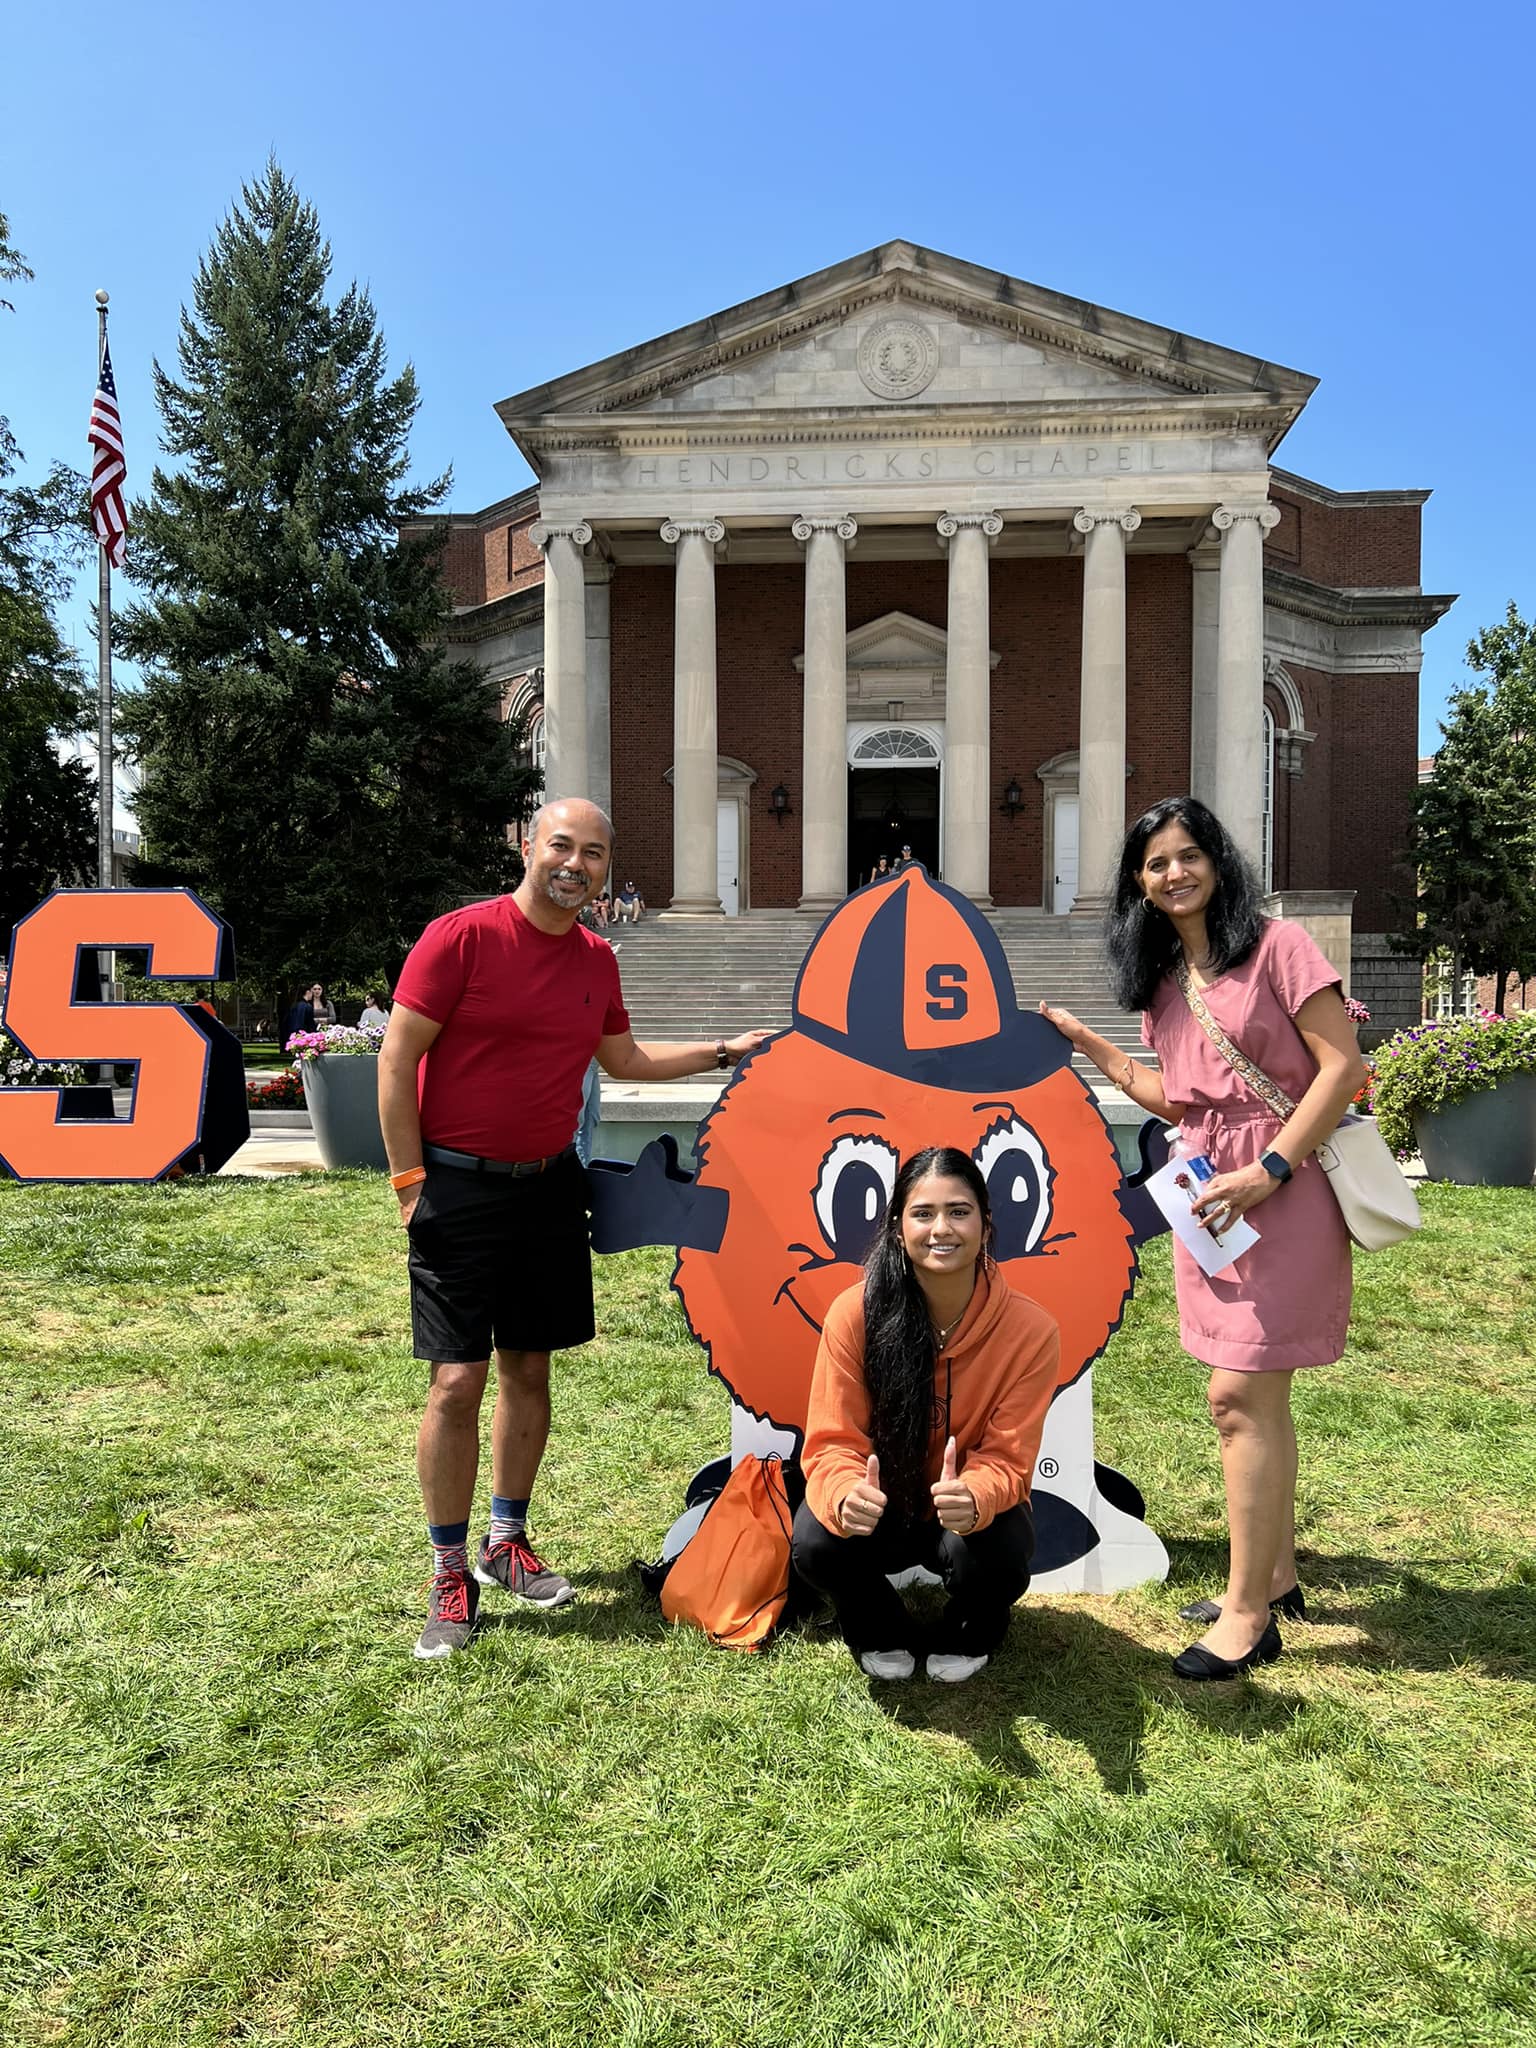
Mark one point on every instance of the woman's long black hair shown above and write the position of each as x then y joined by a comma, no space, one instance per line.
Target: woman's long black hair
898,1335
1141,943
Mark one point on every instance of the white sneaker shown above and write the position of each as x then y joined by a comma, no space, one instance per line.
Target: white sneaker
889,1663
950,1669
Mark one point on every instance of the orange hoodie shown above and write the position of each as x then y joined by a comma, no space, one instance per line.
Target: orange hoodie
1000,1367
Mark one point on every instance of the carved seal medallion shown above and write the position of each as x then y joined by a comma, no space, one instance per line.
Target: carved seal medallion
897,358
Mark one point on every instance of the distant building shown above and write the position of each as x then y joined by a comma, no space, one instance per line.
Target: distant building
911,551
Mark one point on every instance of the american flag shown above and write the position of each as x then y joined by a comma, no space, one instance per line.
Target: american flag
108,472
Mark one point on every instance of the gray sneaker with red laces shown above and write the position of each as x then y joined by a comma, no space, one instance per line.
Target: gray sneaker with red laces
455,1602
514,1567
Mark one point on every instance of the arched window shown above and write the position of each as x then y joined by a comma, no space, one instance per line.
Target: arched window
895,746
1268,877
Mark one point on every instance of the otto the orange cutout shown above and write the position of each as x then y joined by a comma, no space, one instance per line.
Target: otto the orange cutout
189,1090
907,1032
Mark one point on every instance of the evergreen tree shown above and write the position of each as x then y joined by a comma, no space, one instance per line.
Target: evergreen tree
313,763
47,802
1475,827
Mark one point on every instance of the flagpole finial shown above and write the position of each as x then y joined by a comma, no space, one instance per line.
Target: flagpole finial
102,297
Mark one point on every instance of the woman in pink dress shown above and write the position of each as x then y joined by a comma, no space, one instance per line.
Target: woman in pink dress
1186,898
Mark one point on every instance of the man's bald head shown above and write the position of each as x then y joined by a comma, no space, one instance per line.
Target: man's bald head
582,819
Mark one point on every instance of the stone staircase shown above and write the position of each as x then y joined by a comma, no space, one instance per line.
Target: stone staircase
708,980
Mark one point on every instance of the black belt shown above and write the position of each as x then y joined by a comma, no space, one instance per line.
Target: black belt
471,1162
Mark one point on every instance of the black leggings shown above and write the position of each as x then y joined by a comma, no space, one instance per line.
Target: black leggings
984,1572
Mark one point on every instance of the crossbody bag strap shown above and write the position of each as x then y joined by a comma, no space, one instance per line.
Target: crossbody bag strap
1272,1096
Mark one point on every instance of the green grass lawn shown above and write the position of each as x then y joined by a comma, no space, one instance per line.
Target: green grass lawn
235,1810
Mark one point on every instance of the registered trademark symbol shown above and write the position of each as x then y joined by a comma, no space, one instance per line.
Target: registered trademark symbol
1048,1468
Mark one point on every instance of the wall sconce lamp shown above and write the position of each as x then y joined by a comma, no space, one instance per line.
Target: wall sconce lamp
778,802
1013,797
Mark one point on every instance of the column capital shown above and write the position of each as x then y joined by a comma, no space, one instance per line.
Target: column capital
543,531
951,523
1126,517
712,530
1225,516
845,526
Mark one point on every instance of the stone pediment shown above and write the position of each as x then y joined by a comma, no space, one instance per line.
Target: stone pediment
897,660
894,643
899,331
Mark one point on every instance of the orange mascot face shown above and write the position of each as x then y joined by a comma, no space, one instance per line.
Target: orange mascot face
906,1034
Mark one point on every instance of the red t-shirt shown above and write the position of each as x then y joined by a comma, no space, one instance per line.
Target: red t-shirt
522,1012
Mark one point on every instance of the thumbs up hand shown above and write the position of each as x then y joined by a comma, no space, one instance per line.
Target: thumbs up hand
864,1504
952,1498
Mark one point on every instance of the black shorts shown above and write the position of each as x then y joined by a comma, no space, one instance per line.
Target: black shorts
500,1259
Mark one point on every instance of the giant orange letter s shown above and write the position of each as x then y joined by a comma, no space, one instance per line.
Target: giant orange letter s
174,1047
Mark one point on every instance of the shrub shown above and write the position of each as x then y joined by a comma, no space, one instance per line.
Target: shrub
286,1092
1435,1065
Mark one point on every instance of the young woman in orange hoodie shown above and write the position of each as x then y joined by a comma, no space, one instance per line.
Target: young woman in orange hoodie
930,1392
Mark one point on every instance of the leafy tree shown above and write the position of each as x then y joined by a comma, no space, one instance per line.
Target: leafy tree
1475,827
312,761
47,803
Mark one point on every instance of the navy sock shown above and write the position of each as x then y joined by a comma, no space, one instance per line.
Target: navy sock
509,1517
450,1546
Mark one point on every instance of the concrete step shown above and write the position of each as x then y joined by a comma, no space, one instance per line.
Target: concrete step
686,980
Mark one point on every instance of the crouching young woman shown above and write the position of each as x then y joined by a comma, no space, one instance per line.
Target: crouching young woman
929,1396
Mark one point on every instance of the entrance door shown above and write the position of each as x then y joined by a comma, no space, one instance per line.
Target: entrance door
889,809
1064,834
728,856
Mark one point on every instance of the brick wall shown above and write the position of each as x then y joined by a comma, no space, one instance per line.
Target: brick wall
483,562
1346,546
1372,742
512,562
464,565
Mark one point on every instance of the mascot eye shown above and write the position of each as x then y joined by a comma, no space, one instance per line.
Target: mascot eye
1018,1175
852,1191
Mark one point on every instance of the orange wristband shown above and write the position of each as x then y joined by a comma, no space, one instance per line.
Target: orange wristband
401,1181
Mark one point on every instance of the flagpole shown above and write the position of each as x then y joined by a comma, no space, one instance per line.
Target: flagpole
103,667
106,963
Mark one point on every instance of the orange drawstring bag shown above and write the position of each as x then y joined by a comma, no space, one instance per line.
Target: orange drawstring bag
732,1577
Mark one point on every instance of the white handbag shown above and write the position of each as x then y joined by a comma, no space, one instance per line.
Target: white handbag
1378,1206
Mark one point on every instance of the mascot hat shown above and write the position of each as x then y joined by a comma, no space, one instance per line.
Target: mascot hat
909,978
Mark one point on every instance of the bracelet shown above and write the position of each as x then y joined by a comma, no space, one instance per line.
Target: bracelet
723,1055
1124,1082
401,1181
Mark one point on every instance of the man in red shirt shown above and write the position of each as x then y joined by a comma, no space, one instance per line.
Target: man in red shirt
497,1013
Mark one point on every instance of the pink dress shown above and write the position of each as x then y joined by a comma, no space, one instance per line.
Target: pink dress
1285,1303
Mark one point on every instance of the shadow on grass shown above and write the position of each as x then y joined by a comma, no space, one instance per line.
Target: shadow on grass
1090,1684
1406,1618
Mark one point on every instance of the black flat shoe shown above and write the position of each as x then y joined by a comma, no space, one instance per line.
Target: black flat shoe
1292,1605
1198,1663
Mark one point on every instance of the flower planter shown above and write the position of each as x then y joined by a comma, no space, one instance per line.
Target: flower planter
1485,1140
342,1090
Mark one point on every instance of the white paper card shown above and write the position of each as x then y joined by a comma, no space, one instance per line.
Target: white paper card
1175,1189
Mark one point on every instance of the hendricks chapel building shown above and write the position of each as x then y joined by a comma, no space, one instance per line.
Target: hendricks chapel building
911,553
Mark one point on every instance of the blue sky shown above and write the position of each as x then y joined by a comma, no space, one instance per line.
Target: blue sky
1346,190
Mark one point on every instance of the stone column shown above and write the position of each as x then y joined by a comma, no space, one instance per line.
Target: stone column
566,764
967,704
1101,712
1238,793
824,775
695,721
599,575
1203,559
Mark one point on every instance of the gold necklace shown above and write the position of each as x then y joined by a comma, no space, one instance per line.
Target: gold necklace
942,1337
